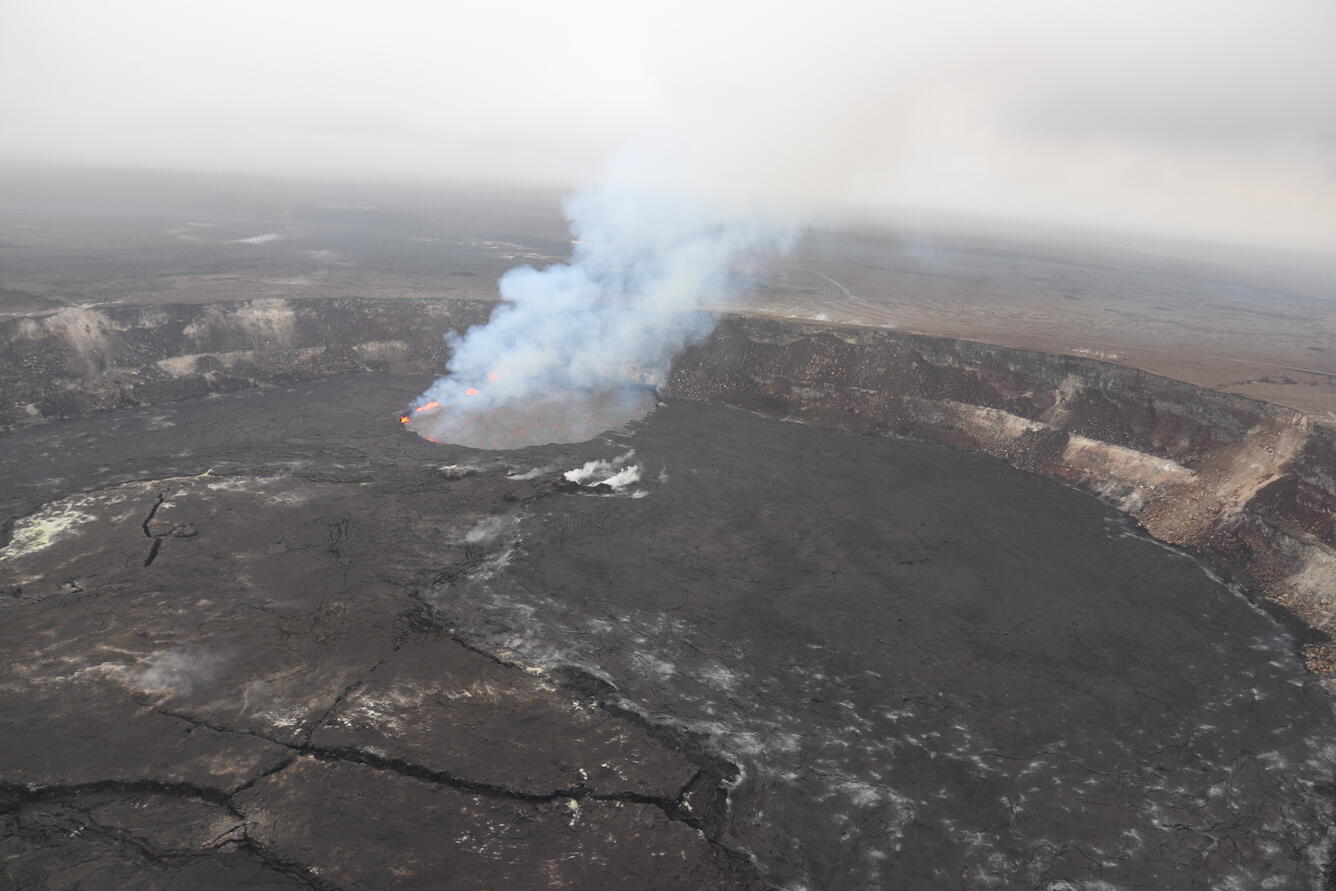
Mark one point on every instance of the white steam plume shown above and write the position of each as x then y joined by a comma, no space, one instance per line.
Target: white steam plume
176,672
645,261
616,473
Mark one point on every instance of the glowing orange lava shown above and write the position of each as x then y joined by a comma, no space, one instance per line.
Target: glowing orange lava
427,407
492,376
471,391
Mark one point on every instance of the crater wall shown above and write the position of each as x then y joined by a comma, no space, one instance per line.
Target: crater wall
91,358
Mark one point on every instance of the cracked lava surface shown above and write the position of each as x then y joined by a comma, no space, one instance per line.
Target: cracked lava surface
273,640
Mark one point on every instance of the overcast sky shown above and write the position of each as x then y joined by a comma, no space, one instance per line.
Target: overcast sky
1184,115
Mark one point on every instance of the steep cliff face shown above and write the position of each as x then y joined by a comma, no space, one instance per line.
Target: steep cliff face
1250,485
83,359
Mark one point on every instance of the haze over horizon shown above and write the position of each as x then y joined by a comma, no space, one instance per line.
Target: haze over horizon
1213,119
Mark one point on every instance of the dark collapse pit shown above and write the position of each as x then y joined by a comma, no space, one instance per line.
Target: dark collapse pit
545,414
360,660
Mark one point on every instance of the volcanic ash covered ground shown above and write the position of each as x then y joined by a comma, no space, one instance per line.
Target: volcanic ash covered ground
274,639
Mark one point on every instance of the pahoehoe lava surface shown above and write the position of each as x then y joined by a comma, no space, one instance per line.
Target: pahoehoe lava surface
273,640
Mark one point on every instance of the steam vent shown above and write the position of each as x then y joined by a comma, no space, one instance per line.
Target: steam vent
829,606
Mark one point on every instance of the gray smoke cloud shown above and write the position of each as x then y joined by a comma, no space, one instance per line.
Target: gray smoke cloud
645,262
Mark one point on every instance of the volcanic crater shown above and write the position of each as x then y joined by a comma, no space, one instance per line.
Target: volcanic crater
835,608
